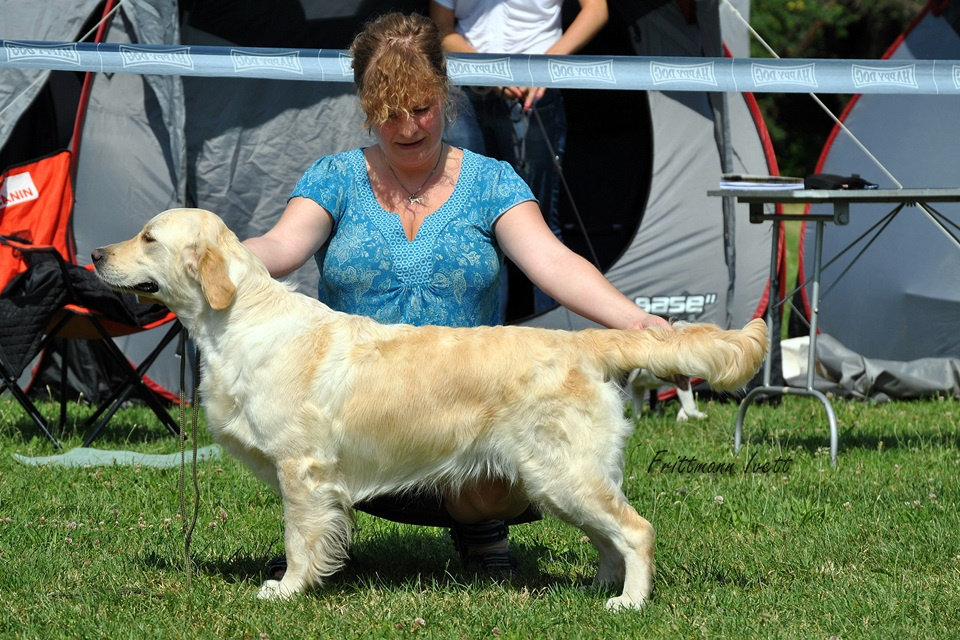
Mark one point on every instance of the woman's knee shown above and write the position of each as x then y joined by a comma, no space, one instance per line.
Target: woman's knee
489,500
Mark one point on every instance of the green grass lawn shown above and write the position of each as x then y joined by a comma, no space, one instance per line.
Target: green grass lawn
869,549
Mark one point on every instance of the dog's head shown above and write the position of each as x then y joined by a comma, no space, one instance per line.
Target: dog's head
179,258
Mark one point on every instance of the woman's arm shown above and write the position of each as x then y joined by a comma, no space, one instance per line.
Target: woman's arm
564,275
301,230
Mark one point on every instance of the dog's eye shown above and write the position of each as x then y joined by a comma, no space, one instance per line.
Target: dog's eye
148,238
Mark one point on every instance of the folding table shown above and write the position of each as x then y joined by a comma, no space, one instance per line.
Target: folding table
840,200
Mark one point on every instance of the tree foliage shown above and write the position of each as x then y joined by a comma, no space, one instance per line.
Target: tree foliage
854,29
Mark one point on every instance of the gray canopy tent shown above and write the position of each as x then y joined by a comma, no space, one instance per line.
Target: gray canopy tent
638,164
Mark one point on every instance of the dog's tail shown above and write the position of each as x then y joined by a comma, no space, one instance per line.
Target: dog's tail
726,359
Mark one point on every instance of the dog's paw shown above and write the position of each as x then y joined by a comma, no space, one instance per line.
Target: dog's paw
625,602
274,590
683,416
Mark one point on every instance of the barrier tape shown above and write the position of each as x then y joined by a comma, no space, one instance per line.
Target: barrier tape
574,72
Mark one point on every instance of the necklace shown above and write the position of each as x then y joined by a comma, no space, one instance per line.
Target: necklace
412,196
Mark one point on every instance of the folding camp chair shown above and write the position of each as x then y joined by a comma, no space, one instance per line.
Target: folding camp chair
47,295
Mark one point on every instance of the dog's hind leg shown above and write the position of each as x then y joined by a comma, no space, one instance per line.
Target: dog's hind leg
316,528
579,482
615,526
623,538
610,572
575,471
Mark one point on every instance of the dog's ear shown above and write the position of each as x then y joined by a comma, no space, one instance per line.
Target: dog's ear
214,279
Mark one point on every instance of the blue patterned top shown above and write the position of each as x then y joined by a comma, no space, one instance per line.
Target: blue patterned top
449,274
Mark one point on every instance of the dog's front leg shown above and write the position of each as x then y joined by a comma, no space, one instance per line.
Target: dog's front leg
316,527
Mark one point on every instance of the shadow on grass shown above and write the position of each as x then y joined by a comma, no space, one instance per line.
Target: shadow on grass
853,439
390,560
117,434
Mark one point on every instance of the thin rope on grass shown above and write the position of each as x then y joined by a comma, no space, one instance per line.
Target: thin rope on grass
188,526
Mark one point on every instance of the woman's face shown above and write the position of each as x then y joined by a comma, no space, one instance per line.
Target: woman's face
412,140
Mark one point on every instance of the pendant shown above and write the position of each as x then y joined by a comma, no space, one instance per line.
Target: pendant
414,200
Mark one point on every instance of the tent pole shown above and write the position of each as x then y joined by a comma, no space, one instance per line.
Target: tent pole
85,93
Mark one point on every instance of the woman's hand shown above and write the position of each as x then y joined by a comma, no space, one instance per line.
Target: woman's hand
527,95
650,321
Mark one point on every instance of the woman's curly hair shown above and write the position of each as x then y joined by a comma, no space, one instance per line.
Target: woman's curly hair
398,66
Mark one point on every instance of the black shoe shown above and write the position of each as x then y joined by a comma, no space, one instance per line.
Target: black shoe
498,563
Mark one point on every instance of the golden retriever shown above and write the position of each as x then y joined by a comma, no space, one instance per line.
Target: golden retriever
331,408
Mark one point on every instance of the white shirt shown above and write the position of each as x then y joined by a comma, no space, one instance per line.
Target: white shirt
507,26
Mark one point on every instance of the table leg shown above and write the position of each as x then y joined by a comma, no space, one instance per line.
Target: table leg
812,354
809,390
772,300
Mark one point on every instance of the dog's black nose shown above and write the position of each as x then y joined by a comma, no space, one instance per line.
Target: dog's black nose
96,255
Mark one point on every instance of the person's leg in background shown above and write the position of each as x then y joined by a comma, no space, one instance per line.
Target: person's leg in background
543,149
478,111
536,142
464,130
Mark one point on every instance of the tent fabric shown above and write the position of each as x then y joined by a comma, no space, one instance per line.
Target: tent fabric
237,146
844,372
40,21
901,299
133,158
249,142
677,262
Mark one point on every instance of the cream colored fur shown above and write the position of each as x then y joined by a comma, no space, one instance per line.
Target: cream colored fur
330,408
